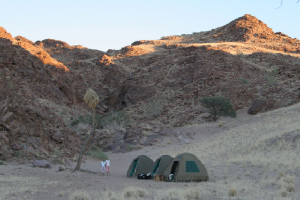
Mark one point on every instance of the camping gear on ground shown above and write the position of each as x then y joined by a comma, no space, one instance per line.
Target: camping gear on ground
158,177
186,167
144,176
140,165
171,176
160,164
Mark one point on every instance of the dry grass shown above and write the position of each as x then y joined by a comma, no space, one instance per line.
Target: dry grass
130,192
17,185
79,195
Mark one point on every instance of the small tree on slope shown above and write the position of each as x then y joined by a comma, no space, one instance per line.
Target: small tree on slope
218,106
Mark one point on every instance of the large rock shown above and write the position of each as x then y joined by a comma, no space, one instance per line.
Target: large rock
41,163
257,107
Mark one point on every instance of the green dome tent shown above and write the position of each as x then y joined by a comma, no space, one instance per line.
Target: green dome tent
186,167
160,164
140,165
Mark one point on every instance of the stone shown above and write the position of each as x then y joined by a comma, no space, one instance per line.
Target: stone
7,117
41,163
257,107
61,168
58,137
183,140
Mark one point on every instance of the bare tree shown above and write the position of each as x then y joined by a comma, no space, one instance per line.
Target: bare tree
282,1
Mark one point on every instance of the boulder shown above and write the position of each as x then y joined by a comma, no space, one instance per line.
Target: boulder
257,107
41,163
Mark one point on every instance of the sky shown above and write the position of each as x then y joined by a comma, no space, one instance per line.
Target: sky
113,24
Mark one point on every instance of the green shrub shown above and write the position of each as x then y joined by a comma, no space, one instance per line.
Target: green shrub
130,147
96,153
218,106
244,80
271,80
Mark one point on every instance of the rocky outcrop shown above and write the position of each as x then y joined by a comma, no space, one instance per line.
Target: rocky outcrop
5,34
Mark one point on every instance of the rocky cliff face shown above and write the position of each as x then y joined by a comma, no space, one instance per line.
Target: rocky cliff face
28,128
158,83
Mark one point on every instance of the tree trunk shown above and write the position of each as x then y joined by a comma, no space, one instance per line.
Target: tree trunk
86,141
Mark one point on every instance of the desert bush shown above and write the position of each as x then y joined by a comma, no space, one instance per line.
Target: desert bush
130,147
108,194
218,106
232,192
96,153
271,80
154,108
80,195
244,80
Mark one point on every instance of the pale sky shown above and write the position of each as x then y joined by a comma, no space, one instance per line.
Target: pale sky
113,24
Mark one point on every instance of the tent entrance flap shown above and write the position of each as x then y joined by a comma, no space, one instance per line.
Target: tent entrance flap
156,167
174,167
133,167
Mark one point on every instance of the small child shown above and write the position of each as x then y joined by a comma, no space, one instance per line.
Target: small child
107,166
103,163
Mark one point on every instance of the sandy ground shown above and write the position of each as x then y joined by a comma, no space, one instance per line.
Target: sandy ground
252,179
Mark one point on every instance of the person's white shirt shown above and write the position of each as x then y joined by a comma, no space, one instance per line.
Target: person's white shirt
103,163
107,162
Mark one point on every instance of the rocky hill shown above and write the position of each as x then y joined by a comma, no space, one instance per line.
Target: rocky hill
152,84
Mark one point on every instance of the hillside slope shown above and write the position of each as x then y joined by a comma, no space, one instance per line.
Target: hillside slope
156,83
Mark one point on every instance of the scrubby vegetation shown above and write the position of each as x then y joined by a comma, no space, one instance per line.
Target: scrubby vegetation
96,153
218,106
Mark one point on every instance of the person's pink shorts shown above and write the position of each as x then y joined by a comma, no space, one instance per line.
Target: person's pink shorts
107,168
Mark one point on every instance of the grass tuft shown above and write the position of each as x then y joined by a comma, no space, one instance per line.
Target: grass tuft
80,195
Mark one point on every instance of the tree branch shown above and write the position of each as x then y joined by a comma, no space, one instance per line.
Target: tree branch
282,1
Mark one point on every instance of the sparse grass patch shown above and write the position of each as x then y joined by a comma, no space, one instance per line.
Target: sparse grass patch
58,162
79,195
154,108
96,153
192,194
115,121
285,185
134,192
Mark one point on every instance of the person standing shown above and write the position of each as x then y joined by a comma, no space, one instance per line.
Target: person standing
107,166
103,163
